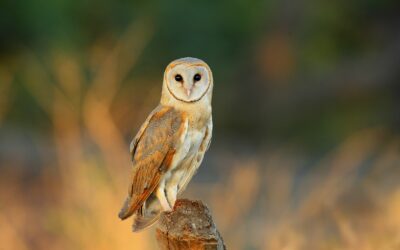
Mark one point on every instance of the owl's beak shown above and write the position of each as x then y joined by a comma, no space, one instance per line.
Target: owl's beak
188,92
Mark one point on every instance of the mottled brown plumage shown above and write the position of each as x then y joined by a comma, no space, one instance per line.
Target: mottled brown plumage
152,154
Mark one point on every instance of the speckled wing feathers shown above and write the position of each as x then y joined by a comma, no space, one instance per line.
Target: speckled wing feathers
152,151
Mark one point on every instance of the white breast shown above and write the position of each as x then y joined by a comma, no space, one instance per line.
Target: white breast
193,140
187,151
185,165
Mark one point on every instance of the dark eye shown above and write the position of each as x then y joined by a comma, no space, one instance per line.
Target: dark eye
178,78
197,77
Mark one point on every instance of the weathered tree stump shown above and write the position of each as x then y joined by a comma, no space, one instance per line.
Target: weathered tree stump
188,226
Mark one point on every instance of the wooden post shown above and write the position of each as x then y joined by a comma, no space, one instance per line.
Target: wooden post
188,226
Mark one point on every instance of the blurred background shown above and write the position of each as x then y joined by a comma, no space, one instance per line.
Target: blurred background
306,143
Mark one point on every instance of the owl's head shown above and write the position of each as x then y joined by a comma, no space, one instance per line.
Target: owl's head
187,80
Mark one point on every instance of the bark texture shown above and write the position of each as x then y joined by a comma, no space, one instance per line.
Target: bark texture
188,226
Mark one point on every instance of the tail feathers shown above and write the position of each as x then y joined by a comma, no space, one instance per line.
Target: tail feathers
143,216
126,210
141,222
147,214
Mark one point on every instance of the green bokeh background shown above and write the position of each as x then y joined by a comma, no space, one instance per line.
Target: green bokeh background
333,86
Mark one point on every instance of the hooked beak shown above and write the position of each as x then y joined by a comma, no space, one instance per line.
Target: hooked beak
188,92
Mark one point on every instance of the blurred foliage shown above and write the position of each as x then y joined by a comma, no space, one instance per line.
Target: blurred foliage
259,50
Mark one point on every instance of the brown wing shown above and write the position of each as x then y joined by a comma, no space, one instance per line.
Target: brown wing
139,134
152,152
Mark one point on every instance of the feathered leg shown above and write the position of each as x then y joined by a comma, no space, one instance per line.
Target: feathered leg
161,195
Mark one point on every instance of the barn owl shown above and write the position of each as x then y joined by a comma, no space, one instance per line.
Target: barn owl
171,143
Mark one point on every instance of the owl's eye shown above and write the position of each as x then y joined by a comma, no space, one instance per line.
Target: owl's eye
197,77
178,78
